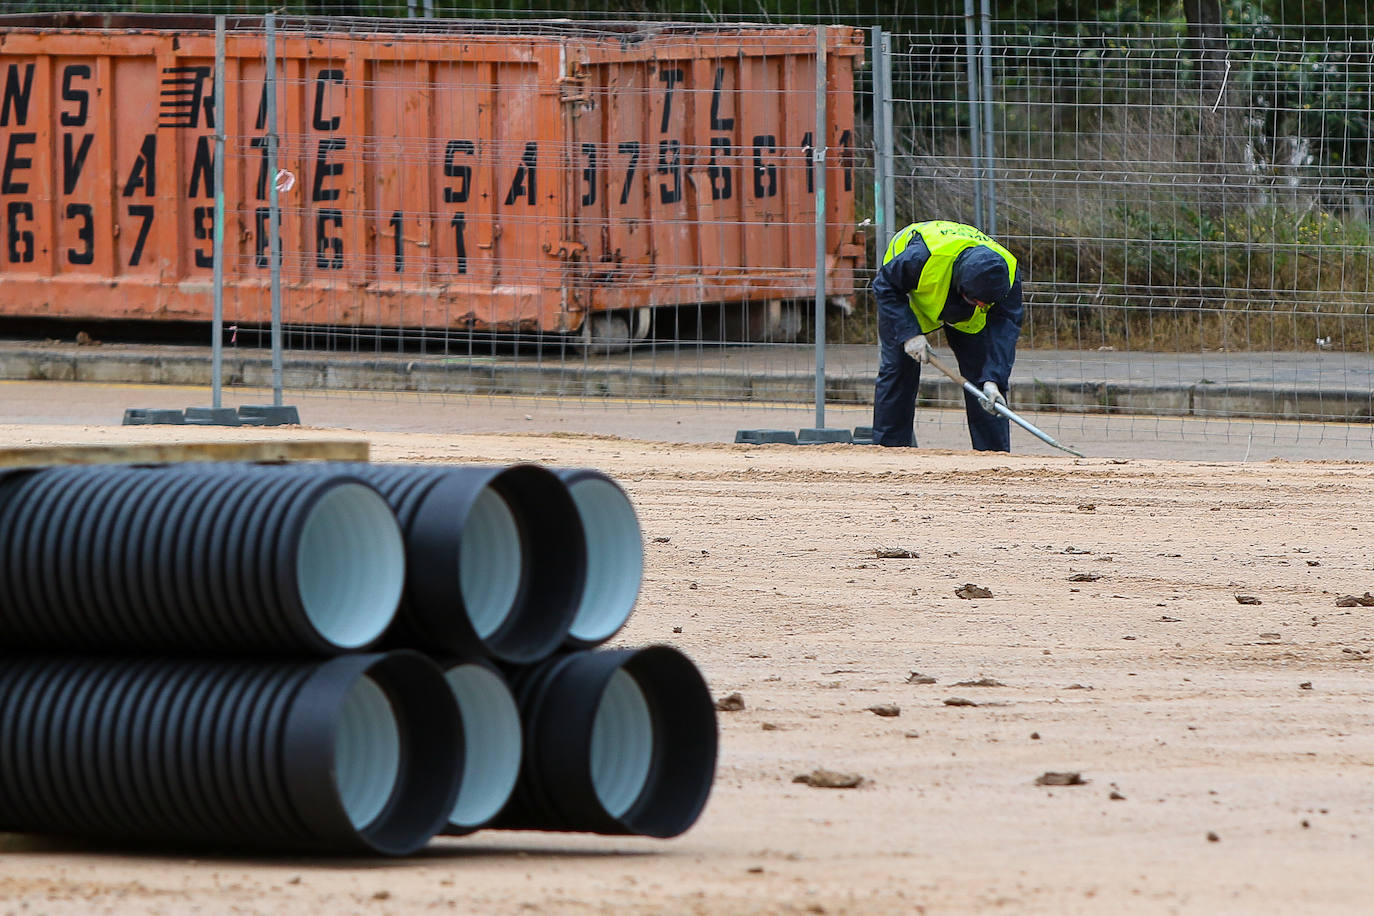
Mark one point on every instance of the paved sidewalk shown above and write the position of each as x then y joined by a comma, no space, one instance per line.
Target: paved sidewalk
1325,386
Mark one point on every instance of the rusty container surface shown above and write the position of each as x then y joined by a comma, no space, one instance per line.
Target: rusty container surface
455,178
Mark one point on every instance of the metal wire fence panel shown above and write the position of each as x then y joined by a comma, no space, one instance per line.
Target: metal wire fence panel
488,202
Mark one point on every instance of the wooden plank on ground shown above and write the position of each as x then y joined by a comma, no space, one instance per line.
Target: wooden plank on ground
171,452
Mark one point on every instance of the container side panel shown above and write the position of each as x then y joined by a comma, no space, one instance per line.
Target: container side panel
673,245
624,95
136,166
80,166
26,175
765,231
457,180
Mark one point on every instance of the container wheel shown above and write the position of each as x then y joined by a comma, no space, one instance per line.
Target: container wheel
607,332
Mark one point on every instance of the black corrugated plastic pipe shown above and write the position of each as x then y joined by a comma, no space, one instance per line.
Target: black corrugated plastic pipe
619,741
615,556
359,752
492,743
496,558
200,558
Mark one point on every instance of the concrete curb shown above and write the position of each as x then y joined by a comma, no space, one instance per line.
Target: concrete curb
505,376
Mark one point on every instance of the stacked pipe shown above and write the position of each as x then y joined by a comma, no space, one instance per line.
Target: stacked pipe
334,656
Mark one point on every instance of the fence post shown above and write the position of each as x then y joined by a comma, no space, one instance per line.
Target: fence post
989,162
818,146
889,144
975,132
880,177
217,323
273,207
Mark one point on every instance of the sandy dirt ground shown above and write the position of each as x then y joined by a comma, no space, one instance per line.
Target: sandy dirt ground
1225,749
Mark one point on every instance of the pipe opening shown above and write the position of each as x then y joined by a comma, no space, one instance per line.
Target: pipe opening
615,559
367,752
490,563
492,744
622,746
350,565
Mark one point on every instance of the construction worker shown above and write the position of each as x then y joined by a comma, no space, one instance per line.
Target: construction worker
942,274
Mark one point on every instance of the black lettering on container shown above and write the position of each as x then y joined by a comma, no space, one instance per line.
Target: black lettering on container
260,143
328,248
326,169
81,97
670,163
765,176
589,176
632,148
397,224
184,96
202,168
74,162
720,176
459,224
452,169
16,96
145,213
144,172
15,162
321,82
86,233
717,122
19,242
262,221
203,219
525,175
670,78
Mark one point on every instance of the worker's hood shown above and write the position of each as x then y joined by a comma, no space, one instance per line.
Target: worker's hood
982,274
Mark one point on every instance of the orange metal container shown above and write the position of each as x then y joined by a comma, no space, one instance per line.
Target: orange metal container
465,177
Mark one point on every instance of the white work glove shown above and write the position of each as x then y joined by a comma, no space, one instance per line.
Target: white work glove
918,348
994,396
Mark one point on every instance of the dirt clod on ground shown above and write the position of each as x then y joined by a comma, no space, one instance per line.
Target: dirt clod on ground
895,553
732,703
1050,778
969,590
829,779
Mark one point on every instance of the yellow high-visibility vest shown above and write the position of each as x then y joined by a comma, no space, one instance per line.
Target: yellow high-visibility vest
946,241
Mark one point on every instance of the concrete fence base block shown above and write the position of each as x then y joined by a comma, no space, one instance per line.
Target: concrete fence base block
212,416
764,436
268,415
822,436
150,416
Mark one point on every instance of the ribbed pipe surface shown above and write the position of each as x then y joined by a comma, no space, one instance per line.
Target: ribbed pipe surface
615,556
492,743
360,752
196,558
619,741
496,558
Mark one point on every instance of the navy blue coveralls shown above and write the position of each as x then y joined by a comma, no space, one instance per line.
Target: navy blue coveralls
985,356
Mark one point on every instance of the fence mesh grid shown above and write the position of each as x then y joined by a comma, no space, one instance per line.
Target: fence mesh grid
620,206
